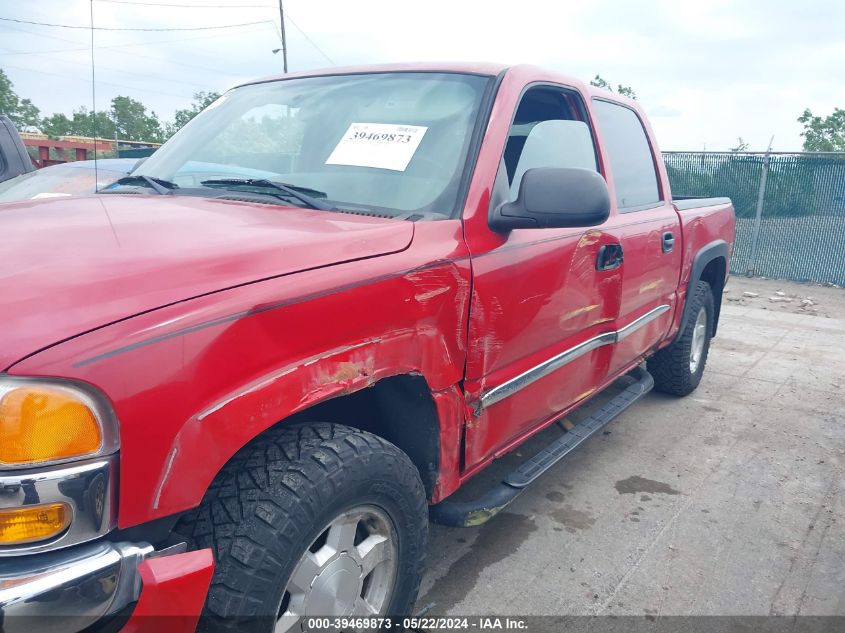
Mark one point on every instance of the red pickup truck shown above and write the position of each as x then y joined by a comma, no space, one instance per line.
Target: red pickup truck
239,381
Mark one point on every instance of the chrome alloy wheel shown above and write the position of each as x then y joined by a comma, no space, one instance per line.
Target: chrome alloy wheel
699,336
349,570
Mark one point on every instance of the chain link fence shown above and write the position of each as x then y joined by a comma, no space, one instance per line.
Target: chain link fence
790,208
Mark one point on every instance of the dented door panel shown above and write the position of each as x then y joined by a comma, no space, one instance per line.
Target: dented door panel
532,300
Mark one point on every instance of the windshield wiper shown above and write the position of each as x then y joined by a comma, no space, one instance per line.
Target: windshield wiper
289,191
159,185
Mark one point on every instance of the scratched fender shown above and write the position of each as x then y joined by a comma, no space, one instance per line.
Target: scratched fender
194,382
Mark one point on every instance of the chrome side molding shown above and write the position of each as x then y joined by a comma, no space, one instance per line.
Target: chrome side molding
510,387
636,324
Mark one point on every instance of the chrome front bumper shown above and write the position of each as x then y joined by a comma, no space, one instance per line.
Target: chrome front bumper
70,589
88,488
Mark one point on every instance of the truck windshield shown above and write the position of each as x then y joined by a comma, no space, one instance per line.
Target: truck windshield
389,142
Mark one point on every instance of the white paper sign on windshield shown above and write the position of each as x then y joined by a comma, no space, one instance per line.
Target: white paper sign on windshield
380,145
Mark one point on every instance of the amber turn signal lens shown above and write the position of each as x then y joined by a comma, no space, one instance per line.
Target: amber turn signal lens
33,523
39,424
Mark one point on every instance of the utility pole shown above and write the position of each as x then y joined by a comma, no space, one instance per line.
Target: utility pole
284,41
116,150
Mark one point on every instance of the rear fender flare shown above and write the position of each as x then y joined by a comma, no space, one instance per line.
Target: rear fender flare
708,253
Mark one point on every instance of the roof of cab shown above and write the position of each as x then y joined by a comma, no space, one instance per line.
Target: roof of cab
475,68
525,72
491,69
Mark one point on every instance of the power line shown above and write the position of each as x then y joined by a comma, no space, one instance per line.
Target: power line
305,35
68,26
191,6
170,62
135,89
123,71
113,46
110,28
134,54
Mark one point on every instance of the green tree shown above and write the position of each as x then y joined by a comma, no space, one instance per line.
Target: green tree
20,111
28,113
100,125
823,134
8,97
133,122
625,91
56,125
80,124
201,100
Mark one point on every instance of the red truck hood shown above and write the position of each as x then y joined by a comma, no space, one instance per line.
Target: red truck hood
74,264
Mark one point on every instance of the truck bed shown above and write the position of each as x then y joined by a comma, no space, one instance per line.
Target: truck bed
683,203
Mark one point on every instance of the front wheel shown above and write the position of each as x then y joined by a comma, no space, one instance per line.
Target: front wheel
677,369
314,521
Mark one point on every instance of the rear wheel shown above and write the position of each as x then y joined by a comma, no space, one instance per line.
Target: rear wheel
677,369
312,521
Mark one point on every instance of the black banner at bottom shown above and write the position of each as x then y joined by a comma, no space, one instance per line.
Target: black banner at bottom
425,624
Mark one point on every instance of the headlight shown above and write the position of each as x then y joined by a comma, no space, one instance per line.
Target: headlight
46,421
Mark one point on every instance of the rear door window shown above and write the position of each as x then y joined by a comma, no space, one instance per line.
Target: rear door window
630,155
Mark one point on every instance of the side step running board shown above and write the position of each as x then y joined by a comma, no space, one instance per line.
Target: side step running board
471,513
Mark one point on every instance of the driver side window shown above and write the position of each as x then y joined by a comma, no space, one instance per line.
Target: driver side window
549,129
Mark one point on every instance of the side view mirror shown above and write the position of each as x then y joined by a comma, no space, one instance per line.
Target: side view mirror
555,197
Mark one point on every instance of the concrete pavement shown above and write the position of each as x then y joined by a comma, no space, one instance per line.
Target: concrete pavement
727,502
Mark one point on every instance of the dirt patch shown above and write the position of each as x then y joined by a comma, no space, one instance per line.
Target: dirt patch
636,484
785,296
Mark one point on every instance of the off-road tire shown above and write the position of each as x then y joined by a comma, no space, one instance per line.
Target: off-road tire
272,500
670,367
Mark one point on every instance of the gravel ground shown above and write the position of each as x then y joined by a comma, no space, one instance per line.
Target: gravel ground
727,502
784,296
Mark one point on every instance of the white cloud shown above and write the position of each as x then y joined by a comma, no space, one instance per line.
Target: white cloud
707,72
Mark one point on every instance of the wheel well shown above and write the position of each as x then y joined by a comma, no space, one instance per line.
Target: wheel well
714,274
399,409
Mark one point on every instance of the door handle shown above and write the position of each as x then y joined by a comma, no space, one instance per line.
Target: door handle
668,242
610,256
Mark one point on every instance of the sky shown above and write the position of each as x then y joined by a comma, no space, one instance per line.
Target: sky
706,71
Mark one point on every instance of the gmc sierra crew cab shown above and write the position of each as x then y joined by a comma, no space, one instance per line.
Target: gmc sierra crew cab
240,381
